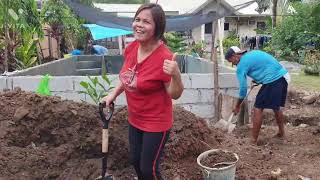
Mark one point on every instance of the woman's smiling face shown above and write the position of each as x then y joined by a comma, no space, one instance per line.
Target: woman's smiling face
144,26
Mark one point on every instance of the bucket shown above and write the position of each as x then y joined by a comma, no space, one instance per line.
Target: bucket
226,172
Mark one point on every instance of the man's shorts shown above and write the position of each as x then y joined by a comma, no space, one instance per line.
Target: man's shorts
272,95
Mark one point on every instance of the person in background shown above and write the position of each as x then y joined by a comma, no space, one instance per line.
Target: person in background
150,78
98,50
78,51
264,69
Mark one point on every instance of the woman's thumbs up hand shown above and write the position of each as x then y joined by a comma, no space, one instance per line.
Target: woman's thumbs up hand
171,67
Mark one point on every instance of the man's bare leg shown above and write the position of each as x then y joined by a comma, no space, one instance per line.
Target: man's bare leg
280,121
257,121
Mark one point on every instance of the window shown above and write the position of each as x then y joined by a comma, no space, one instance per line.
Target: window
226,26
261,25
251,22
208,28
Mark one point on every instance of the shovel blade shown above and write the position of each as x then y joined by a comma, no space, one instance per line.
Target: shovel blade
231,127
222,124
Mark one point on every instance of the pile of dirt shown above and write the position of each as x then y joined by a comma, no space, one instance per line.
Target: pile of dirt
49,138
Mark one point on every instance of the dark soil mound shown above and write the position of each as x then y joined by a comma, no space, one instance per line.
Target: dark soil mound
49,138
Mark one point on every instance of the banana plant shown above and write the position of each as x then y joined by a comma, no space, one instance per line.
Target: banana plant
26,53
20,17
95,89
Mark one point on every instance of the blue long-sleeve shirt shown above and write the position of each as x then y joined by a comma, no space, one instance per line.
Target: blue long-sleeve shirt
261,67
100,50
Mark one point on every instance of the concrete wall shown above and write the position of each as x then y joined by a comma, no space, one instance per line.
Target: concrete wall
189,64
61,67
197,96
76,65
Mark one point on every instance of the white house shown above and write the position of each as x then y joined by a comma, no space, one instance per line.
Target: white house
243,22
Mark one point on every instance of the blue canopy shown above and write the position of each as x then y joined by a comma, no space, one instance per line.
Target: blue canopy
100,32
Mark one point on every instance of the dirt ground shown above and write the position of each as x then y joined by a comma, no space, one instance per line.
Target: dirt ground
49,138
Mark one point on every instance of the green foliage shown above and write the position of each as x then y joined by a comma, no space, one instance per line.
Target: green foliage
197,49
296,31
2,47
95,89
268,29
86,2
26,53
61,20
59,16
312,62
120,1
268,48
21,15
22,19
231,40
175,42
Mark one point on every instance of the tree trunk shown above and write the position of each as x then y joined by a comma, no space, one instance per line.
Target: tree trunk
49,45
274,13
58,47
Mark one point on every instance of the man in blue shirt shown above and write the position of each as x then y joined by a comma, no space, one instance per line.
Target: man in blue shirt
98,50
264,69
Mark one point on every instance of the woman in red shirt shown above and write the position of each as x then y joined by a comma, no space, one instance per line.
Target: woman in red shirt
150,78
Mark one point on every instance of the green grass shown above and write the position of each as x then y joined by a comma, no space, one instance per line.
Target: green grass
306,82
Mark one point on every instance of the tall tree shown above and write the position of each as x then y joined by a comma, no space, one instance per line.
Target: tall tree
60,18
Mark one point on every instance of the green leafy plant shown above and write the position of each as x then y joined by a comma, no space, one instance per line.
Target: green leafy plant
26,53
312,62
60,19
175,42
198,48
297,32
20,18
95,89
231,40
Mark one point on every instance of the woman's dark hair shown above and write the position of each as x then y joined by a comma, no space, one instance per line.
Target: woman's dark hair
158,16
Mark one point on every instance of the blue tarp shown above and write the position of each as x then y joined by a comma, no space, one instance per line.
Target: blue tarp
100,32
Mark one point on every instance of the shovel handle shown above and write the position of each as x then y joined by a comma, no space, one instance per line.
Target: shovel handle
105,118
230,118
105,140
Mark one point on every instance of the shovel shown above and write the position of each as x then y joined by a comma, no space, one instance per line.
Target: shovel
105,118
229,125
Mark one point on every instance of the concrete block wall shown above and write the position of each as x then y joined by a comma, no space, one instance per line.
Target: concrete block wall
91,64
61,67
197,96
